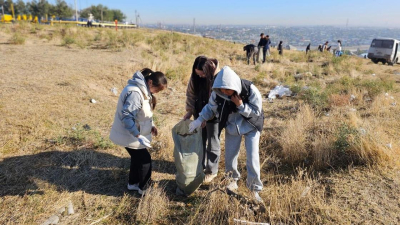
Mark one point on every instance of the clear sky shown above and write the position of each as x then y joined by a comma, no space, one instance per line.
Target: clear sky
383,13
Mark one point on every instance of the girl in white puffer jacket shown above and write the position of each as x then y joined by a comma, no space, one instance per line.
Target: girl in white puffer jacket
133,124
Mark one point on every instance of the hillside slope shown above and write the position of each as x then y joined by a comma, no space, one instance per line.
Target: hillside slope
329,153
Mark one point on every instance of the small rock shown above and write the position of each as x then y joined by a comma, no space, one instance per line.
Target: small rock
389,145
394,104
93,101
73,128
86,127
352,97
352,109
363,131
373,74
70,208
386,94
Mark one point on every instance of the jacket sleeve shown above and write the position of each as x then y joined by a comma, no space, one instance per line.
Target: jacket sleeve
210,110
254,106
132,105
190,97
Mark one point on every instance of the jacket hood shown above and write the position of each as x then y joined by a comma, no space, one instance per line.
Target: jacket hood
228,79
139,81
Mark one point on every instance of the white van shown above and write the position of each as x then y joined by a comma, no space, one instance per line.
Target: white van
385,50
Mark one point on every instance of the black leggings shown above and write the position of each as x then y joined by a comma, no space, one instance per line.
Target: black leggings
140,170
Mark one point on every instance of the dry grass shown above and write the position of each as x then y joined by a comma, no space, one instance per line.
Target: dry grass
330,154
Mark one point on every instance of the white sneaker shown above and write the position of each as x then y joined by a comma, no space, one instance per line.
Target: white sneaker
141,192
209,178
133,187
232,186
257,197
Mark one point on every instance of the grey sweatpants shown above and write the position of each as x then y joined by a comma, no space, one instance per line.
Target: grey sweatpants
232,147
212,148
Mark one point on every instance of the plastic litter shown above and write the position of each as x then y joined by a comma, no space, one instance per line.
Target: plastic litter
352,97
93,101
52,220
70,208
373,74
389,145
114,90
279,91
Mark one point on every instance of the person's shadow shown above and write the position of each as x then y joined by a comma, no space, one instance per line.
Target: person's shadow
80,170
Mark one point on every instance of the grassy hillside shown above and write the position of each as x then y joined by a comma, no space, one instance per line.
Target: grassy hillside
329,154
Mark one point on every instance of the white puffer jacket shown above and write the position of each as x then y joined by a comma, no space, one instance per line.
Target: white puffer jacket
123,132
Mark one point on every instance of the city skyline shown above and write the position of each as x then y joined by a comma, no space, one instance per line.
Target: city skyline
256,12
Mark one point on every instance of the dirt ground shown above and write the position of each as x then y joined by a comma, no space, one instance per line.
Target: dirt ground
45,93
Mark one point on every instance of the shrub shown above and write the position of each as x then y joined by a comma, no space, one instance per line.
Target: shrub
17,39
68,40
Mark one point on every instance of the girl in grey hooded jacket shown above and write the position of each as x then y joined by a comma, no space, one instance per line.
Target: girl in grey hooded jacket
228,86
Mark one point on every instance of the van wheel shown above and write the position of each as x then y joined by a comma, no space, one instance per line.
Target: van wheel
383,62
375,61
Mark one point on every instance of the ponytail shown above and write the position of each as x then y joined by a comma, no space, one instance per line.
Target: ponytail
158,80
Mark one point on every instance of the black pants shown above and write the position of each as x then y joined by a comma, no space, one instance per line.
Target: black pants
264,54
140,171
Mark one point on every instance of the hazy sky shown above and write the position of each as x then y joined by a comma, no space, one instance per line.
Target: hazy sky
256,12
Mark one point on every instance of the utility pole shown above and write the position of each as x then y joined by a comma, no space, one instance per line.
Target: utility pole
136,18
101,14
76,12
194,25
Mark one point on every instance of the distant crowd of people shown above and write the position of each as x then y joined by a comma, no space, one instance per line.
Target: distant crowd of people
327,48
265,45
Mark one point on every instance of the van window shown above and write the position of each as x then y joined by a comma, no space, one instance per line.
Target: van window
382,43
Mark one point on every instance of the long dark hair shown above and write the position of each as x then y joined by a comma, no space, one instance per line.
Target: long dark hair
158,80
208,66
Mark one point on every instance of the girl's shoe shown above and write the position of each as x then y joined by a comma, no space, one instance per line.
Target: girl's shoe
141,192
257,197
133,187
209,178
232,186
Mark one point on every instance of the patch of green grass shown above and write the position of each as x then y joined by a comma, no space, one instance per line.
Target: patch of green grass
68,40
17,39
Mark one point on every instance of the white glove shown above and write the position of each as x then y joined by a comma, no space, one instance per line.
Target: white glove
194,125
144,141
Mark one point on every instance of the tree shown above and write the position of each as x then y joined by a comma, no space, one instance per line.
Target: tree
7,5
61,9
108,14
20,8
33,7
117,15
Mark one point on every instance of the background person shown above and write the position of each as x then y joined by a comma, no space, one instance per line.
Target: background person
133,124
339,48
280,48
267,47
261,45
308,48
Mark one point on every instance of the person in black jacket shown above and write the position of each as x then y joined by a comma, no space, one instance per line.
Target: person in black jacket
280,48
261,45
308,48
